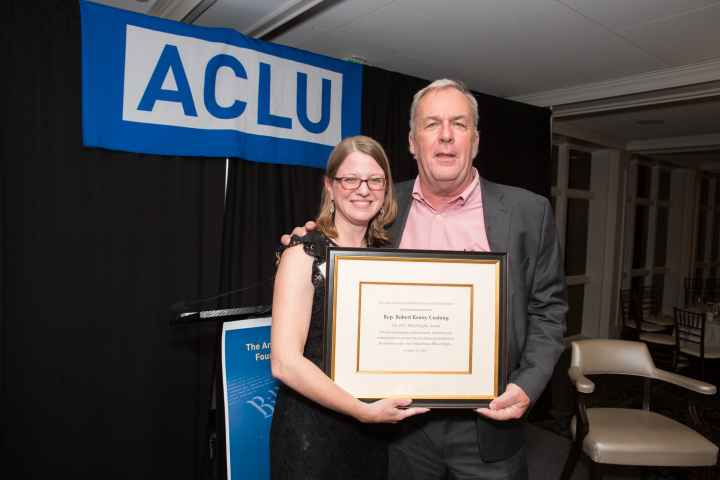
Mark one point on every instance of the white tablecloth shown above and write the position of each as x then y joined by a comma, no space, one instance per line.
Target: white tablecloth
712,335
712,330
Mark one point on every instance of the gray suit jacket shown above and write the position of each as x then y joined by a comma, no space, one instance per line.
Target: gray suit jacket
520,223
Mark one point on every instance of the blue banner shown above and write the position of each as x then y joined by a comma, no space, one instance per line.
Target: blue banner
250,392
156,86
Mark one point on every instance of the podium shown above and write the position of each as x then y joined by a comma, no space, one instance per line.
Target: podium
242,400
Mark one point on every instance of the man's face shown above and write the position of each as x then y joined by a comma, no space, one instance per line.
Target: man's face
444,141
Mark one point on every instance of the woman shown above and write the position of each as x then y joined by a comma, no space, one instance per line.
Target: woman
319,431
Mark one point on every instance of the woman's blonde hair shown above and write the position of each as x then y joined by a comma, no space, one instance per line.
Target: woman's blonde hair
376,234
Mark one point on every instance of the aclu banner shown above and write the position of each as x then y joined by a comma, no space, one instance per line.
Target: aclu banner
250,392
162,87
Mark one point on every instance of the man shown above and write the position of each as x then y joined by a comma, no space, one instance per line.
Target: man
450,207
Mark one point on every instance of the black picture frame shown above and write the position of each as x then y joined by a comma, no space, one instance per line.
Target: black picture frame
362,319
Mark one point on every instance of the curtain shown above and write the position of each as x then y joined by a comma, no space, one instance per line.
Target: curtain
264,201
387,97
96,245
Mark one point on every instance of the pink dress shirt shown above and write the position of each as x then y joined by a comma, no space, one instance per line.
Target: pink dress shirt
460,226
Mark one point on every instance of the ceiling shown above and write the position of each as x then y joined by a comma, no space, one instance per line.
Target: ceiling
643,75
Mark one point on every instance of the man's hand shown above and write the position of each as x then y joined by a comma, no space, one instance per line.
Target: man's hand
299,231
511,405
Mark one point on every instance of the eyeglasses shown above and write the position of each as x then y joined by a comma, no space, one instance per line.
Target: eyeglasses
353,183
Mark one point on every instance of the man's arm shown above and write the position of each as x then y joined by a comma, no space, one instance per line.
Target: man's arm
546,310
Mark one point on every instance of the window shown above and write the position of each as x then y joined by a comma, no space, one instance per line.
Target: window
647,224
707,232
571,202
644,178
661,236
640,237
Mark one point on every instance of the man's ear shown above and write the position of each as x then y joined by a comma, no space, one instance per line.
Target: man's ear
411,143
476,144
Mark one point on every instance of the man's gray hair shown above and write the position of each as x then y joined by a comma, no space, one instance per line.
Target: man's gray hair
440,85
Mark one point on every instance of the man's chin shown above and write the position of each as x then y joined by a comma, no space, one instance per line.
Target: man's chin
446,182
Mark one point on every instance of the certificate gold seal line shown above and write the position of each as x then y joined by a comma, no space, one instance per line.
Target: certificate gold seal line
416,317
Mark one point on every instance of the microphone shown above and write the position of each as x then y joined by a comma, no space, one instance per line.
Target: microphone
178,307
184,307
190,308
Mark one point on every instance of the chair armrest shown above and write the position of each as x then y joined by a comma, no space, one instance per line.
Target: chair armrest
685,382
581,382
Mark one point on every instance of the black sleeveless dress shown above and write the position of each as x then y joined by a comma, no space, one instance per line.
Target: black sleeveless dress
307,440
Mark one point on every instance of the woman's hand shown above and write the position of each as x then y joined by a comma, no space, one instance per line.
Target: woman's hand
389,410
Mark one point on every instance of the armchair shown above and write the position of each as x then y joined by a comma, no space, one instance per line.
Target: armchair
628,436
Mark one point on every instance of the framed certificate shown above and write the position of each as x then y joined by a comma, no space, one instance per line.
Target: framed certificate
420,324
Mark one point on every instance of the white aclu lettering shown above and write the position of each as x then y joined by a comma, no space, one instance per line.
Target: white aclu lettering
188,82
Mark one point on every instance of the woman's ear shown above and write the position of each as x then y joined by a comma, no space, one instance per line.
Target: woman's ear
328,187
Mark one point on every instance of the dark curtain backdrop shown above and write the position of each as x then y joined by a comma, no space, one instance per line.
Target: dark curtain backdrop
95,246
263,202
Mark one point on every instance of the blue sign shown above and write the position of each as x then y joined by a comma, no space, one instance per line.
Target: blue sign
162,87
250,392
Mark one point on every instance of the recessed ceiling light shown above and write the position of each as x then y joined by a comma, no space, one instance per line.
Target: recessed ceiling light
649,121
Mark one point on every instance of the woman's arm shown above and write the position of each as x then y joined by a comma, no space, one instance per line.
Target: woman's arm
291,311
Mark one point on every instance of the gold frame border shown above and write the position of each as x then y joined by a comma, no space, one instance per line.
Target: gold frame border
413,372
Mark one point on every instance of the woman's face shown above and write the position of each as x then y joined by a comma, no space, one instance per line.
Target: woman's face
357,206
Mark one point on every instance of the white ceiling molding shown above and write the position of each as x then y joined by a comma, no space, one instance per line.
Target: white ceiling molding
279,17
673,95
572,131
646,82
173,9
693,143
198,10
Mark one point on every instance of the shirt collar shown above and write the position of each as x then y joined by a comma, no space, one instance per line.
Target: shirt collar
462,198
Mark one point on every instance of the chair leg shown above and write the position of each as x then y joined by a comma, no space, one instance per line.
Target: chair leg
695,418
645,473
708,473
571,461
